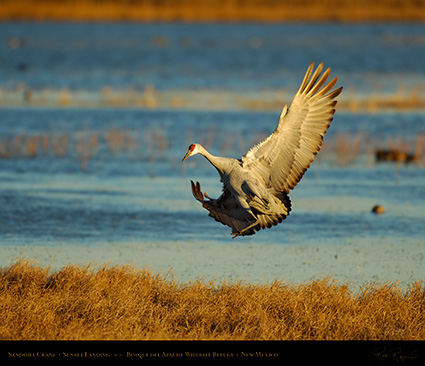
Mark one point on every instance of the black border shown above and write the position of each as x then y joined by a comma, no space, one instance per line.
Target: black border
276,352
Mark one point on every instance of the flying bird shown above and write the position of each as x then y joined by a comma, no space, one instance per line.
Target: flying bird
256,187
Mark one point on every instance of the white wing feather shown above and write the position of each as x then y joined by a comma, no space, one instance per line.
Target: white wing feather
281,160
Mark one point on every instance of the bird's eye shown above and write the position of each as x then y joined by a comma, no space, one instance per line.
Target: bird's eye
192,147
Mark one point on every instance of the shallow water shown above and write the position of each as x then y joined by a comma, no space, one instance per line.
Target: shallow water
144,192
91,56
109,183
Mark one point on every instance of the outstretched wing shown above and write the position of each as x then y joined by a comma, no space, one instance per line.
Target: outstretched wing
226,210
281,160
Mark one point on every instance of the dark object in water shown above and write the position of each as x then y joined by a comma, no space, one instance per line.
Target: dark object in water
395,156
378,210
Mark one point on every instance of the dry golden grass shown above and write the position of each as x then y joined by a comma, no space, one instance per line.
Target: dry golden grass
214,10
122,302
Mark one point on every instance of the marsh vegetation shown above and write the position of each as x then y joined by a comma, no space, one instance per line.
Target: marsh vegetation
152,143
123,302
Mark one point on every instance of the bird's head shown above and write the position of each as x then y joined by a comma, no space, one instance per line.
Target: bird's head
192,150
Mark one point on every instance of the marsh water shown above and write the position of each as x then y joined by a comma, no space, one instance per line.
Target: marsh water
115,174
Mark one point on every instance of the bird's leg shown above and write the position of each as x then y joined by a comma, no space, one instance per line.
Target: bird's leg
243,230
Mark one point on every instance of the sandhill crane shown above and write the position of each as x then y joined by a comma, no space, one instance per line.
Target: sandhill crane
256,187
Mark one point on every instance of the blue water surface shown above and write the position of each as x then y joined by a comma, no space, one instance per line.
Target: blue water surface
139,190
91,55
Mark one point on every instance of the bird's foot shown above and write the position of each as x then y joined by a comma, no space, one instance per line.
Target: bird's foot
236,234
206,195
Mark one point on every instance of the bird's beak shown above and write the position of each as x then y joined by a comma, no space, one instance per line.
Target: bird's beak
186,156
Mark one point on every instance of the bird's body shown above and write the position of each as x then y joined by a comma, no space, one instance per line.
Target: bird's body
256,187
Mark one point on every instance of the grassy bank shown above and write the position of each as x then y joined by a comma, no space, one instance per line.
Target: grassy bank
215,10
123,302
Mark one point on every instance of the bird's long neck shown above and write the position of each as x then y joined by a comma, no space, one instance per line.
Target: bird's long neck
218,162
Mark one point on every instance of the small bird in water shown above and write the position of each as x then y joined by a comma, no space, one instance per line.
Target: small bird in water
256,187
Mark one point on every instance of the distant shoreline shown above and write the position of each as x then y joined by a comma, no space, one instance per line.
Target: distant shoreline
188,99
214,10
